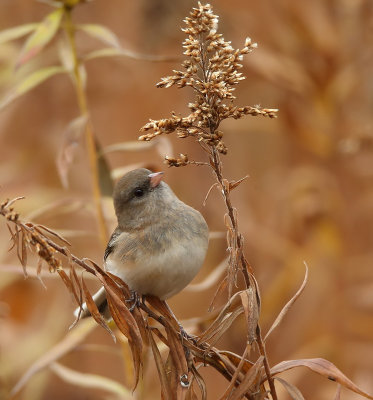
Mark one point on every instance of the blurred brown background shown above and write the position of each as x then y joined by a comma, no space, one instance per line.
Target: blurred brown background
309,196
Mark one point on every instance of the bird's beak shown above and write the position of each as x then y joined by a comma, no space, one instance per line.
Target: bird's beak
155,179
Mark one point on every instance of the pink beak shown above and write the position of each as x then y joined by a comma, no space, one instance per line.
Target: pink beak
155,179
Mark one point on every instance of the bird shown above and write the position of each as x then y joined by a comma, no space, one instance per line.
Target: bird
159,244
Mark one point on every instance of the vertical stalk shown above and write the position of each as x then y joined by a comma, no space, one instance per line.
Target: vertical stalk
89,135
246,269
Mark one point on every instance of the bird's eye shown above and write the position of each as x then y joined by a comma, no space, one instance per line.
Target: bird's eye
139,192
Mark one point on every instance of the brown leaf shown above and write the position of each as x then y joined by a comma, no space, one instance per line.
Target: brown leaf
338,392
236,360
22,250
239,367
129,329
201,383
233,184
76,287
322,367
165,385
122,317
92,307
250,381
13,237
293,391
250,306
53,233
287,306
233,305
65,279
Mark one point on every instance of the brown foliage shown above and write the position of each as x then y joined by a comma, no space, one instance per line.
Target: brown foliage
212,72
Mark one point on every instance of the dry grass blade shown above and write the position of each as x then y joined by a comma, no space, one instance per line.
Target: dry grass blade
76,289
9,203
38,272
66,280
53,233
91,381
338,392
92,307
287,306
165,384
136,312
236,360
179,362
293,391
322,367
233,184
22,250
226,316
13,238
201,383
130,330
240,365
69,342
223,326
123,318
246,386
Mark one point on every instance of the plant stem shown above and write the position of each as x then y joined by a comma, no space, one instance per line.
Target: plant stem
266,363
89,135
246,269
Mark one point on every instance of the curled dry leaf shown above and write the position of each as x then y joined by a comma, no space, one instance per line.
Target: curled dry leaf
250,382
91,381
122,317
287,306
228,314
322,367
165,384
338,392
94,311
240,363
233,184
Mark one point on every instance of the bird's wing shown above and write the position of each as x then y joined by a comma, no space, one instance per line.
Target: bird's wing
111,244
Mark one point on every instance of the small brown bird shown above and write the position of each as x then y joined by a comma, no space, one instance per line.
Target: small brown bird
159,244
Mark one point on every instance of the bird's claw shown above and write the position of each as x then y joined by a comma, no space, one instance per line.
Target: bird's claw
134,299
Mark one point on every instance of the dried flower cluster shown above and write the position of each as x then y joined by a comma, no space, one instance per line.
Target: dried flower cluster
212,70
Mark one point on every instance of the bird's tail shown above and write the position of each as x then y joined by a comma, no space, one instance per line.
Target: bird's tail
99,298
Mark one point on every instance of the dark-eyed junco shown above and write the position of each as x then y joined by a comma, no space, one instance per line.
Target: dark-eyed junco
160,242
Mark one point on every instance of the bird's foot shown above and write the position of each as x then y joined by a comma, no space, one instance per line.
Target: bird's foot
187,336
134,299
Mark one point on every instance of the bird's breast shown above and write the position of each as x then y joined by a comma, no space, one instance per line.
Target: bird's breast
160,264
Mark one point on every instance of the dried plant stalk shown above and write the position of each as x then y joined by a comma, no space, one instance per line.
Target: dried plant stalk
211,69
